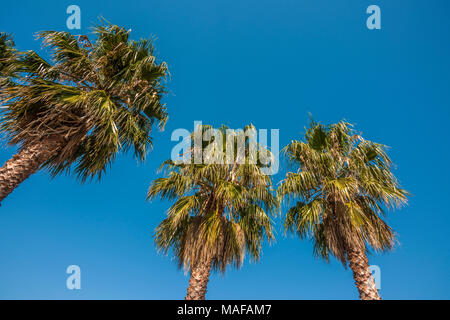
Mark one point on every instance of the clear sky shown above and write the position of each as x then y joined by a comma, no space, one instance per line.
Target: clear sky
236,62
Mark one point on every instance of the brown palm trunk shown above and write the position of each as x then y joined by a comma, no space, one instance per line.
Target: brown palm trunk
25,163
363,276
198,281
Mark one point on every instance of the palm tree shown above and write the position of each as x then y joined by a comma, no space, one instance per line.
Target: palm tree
341,188
221,210
92,101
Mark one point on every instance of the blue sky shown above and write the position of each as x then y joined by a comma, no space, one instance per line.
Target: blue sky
236,62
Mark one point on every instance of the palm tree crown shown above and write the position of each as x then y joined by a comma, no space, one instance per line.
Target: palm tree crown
342,185
8,59
220,212
95,98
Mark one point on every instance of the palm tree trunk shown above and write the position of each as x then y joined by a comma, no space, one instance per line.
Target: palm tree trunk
363,276
198,281
25,163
